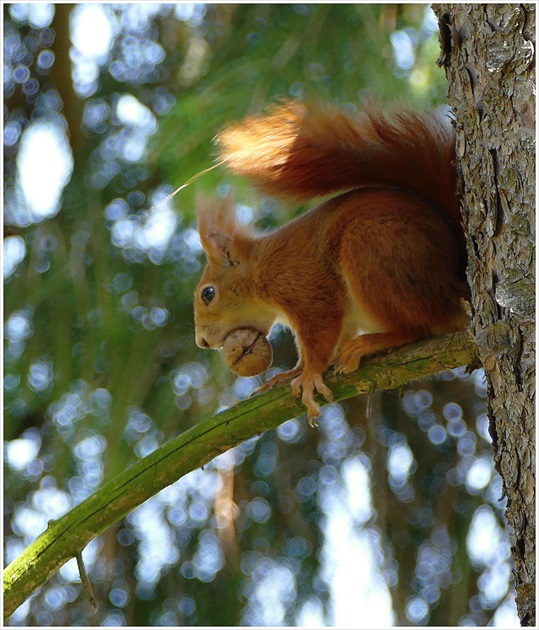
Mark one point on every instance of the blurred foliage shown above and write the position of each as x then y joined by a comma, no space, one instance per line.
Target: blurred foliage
393,505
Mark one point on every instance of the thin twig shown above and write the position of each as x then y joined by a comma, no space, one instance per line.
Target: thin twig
86,584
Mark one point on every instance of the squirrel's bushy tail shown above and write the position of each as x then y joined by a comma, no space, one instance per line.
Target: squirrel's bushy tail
304,151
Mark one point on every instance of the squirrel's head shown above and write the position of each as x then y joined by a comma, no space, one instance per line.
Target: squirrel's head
226,297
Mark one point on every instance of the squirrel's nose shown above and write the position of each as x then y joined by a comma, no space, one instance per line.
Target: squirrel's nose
202,343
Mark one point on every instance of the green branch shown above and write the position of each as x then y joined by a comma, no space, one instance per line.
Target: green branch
66,537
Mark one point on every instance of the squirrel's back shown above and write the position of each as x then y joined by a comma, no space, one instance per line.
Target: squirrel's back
305,151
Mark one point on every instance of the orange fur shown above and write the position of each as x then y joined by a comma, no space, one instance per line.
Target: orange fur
384,258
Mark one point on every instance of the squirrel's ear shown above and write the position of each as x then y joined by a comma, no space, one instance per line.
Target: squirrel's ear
216,224
214,215
220,248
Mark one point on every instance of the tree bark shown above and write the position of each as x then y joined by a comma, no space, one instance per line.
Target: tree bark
488,54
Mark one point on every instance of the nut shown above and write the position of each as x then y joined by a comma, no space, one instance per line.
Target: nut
247,352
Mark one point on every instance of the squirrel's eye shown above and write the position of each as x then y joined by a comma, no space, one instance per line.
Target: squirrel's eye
207,294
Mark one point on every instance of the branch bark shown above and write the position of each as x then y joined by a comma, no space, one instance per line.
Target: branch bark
66,537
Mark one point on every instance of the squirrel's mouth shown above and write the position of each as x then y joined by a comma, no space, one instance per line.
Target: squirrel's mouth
214,340
202,342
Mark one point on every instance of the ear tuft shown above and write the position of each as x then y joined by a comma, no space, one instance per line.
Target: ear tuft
222,238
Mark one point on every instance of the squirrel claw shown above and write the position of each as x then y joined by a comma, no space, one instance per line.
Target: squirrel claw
346,367
347,361
307,385
313,421
278,379
260,390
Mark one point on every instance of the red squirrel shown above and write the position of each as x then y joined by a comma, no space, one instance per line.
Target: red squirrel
378,265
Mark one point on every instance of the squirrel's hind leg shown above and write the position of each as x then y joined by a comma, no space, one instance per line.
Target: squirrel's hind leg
351,353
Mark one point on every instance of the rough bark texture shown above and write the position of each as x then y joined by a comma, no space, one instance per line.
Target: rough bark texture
488,53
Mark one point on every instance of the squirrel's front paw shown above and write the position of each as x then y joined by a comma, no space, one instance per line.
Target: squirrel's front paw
278,379
306,384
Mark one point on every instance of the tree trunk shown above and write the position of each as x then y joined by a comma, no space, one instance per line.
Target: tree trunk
488,53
